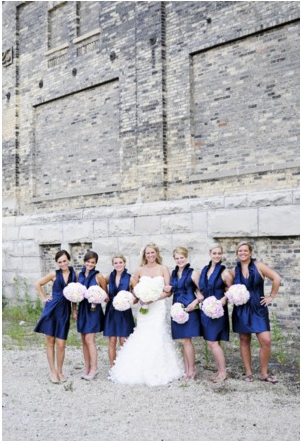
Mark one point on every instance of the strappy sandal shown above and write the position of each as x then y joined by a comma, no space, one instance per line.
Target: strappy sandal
249,378
268,379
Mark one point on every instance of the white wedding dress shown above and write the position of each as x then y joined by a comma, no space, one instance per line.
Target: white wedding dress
149,355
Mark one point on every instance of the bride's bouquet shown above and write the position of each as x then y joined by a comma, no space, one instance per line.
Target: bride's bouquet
178,313
123,301
212,307
238,294
74,292
95,295
148,291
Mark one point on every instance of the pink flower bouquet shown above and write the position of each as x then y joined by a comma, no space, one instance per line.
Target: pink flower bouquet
148,290
75,292
123,300
212,307
178,313
238,294
95,295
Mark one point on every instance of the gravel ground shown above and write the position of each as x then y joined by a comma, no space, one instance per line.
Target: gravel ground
35,409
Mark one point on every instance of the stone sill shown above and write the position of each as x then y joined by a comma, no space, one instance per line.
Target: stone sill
74,195
86,36
57,49
234,173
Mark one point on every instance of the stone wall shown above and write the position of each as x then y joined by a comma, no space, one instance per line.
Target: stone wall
175,122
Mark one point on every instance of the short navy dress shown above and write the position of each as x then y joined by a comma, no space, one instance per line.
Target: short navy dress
55,318
118,323
252,316
89,321
183,292
214,329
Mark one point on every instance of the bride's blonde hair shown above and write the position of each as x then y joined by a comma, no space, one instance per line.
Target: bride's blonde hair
158,256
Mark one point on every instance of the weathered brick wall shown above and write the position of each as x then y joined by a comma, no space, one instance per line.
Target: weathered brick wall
242,96
125,122
9,101
78,129
232,71
186,94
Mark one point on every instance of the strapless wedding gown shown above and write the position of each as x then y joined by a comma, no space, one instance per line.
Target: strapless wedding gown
149,356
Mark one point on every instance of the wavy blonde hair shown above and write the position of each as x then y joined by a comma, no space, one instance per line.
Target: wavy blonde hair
158,257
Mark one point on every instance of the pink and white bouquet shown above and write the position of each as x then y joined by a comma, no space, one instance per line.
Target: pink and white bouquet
238,294
148,290
123,301
75,292
95,295
212,307
178,313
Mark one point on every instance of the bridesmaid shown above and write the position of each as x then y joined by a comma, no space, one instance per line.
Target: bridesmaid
55,318
184,281
118,323
254,315
89,321
213,282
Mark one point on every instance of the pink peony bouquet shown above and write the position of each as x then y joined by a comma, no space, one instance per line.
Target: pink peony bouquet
178,313
75,292
212,307
238,294
95,295
123,300
148,290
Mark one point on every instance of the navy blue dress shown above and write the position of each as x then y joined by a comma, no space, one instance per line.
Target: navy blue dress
88,321
118,323
55,318
214,329
252,316
183,292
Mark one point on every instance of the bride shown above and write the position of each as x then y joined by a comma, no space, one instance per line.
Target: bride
149,355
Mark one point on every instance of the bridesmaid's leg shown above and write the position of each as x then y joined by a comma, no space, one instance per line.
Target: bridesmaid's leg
122,340
60,356
264,339
219,357
50,341
112,349
245,352
189,358
185,376
86,355
90,342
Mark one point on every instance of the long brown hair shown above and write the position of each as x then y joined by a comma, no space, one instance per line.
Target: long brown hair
62,253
